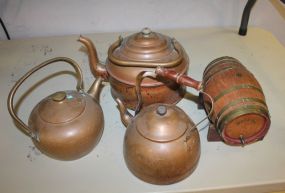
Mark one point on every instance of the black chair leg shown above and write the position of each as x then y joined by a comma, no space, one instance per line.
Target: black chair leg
4,28
245,17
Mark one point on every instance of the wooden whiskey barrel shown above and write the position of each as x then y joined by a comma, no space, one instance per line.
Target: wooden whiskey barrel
240,113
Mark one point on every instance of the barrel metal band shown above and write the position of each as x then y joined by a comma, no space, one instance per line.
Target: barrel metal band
209,77
241,111
220,60
235,102
237,87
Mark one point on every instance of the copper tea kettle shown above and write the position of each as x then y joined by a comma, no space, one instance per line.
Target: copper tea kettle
161,144
67,124
142,51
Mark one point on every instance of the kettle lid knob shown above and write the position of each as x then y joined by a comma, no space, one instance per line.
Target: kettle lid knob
146,31
161,110
62,106
59,96
162,122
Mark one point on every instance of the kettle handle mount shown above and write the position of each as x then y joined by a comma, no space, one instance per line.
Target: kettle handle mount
10,100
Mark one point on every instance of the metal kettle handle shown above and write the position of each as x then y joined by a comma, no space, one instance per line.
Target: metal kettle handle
10,100
139,80
185,81
152,74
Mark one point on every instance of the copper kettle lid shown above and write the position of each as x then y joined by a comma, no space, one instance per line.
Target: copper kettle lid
144,48
61,107
162,122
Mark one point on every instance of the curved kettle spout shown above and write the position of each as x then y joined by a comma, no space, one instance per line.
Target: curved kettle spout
97,68
95,89
126,117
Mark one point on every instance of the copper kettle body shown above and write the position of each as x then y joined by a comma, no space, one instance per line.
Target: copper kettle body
161,144
67,124
142,51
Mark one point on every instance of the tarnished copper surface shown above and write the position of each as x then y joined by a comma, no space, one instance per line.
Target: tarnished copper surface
161,144
129,56
160,148
141,50
70,139
67,124
150,94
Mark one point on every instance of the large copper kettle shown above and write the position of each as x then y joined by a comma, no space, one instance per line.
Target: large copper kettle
67,124
161,144
142,51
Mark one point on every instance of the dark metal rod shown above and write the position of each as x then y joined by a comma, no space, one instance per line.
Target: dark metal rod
5,30
245,17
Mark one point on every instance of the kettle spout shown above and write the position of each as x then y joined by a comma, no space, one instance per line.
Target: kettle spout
126,117
95,89
97,68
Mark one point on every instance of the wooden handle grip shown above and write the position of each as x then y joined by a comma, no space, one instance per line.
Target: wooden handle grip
178,78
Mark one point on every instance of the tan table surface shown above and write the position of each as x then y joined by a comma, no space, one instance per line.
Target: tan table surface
254,168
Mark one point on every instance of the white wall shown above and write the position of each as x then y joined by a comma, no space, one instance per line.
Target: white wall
34,18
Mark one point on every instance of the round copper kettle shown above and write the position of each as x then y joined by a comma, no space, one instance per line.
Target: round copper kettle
143,51
161,144
67,124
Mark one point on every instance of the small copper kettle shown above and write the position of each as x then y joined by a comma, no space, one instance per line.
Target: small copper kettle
161,144
67,124
142,51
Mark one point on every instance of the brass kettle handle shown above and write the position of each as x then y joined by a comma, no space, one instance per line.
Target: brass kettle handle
139,80
10,100
149,64
197,86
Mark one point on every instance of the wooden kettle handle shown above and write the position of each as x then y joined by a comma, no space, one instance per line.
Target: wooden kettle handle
178,78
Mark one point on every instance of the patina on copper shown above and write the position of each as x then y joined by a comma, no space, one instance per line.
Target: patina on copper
129,56
161,144
67,124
